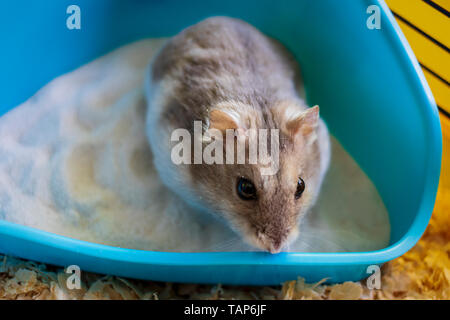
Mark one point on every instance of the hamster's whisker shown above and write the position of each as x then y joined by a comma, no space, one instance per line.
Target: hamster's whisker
318,238
224,245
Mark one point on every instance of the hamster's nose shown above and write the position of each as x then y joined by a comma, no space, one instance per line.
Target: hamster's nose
274,250
275,247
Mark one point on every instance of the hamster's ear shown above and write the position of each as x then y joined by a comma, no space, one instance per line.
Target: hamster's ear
222,120
303,123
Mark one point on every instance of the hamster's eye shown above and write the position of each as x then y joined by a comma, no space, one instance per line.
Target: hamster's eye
300,188
246,189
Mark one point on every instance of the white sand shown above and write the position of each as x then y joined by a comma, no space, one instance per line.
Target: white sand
74,160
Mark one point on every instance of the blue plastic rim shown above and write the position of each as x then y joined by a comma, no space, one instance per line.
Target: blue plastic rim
368,83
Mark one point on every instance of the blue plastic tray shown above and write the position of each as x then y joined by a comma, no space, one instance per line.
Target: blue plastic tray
368,83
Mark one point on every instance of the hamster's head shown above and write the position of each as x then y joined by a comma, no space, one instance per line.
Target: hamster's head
263,200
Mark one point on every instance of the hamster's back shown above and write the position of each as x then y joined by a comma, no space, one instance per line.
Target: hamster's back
222,59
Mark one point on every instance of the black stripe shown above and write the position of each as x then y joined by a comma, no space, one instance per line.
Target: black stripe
434,74
437,7
444,112
420,31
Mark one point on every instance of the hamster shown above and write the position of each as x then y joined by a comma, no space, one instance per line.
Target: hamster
227,74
